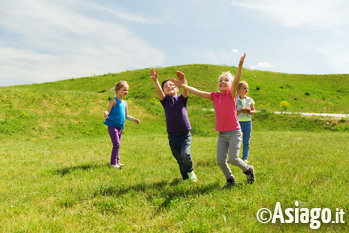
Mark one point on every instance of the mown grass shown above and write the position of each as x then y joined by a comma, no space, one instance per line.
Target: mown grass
66,185
55,152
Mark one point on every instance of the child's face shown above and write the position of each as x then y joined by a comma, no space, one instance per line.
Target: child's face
243,90
224,84
122,92
170,89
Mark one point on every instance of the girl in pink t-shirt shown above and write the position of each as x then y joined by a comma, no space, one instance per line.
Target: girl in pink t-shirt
227,123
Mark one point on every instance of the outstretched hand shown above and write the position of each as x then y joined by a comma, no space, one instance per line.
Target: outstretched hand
181,76
177,82
242,59
153,74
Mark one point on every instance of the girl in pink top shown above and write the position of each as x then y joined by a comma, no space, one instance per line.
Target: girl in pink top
227,123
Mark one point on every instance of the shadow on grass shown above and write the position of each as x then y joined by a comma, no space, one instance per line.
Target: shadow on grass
67,170
194,192
166,191
117,190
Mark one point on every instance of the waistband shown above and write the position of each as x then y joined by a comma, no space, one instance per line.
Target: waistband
179,133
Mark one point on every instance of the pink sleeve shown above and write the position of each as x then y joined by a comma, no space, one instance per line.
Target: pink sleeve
213,96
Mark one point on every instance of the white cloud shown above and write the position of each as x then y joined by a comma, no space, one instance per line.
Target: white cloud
54,41
262,66
235,50
125,16
301,13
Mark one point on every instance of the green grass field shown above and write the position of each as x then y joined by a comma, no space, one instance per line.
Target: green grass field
55,152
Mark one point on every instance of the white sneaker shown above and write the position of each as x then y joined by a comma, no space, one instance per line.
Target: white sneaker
115,165
246,161
120,164
192,176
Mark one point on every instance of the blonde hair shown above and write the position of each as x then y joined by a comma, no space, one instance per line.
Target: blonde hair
228,75
242,83
120,85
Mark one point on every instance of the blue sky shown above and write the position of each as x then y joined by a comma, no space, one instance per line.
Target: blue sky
49,40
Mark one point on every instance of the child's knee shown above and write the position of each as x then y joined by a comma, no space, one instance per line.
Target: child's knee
234,161
221,162
186,158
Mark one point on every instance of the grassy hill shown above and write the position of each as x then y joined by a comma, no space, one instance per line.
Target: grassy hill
75,106
55,153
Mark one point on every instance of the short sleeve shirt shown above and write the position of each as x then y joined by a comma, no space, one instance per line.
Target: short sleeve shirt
176,113
225,111
242,103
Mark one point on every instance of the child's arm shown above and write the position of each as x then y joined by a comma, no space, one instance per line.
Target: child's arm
252,110
154,77
237,76
243,110
112,102
131,118
181,76
193,90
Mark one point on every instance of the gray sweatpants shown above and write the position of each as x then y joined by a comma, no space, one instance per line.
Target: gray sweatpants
229,140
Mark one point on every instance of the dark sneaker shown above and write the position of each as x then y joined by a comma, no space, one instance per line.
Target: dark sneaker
250,175
230,183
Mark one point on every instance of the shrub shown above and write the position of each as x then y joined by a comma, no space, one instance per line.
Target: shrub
284,105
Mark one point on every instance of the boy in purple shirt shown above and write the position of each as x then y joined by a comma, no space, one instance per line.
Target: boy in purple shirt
177,122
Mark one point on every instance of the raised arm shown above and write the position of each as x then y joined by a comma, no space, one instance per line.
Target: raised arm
154,77
237,76
181,76
180,83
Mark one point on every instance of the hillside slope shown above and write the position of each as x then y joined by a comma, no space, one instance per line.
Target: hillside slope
75,107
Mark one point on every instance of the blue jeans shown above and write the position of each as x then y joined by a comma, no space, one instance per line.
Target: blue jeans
180,146
246,129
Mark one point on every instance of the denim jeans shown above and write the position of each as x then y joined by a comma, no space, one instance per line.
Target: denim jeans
246,129
180,146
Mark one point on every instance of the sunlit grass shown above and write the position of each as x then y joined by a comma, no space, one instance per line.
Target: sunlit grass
55,151
67,185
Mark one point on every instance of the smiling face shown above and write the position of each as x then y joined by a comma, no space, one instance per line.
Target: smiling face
224,83
123,91
170,89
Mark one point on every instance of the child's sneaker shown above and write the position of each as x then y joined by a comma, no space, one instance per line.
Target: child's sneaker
250,174
192,176
230,183
116,166
120,164
246,161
